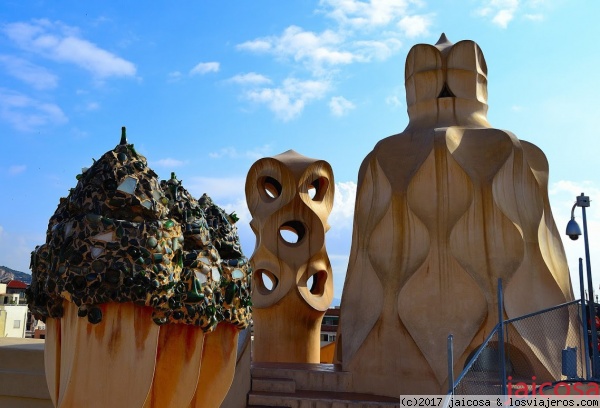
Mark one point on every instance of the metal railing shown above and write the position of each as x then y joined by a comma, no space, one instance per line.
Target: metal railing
544,346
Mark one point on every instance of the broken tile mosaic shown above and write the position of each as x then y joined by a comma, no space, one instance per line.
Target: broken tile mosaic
121,235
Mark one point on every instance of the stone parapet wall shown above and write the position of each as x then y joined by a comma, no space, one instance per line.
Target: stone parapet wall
23,379
22,376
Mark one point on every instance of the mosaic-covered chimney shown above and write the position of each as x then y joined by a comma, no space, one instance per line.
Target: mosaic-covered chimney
143,289
290,197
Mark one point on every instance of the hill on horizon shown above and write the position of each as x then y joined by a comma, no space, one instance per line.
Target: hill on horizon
8,274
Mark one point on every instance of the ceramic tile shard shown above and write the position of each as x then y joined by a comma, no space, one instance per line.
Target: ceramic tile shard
106,237
95,252
128,185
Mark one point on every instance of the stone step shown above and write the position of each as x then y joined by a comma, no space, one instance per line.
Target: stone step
22,375
25,355
317,377
16,402
22,384
274,385
320,399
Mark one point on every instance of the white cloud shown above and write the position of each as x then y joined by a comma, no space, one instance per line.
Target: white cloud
483,12
342,214
368,50
233,153
340,106
16,169
315,50
62,43
339,237
288,100
250,78
26,114
574,188
500,12
168,162
365,14
367,31
503,17
259,45
204,68
34,75
415,26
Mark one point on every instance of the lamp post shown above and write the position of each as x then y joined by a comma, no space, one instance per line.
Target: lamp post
573,231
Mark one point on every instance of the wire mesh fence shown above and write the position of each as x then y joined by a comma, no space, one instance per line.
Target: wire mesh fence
545,346
535,345
482,372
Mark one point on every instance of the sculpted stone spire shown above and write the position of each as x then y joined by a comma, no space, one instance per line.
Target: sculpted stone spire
446,84
443,210
290,197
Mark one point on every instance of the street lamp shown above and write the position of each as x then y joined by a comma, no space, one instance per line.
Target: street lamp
573,231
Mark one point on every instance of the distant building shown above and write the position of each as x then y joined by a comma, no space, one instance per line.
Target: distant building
329,325
16,286
13,315
39,329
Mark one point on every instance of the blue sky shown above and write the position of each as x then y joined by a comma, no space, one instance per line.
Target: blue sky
206,88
